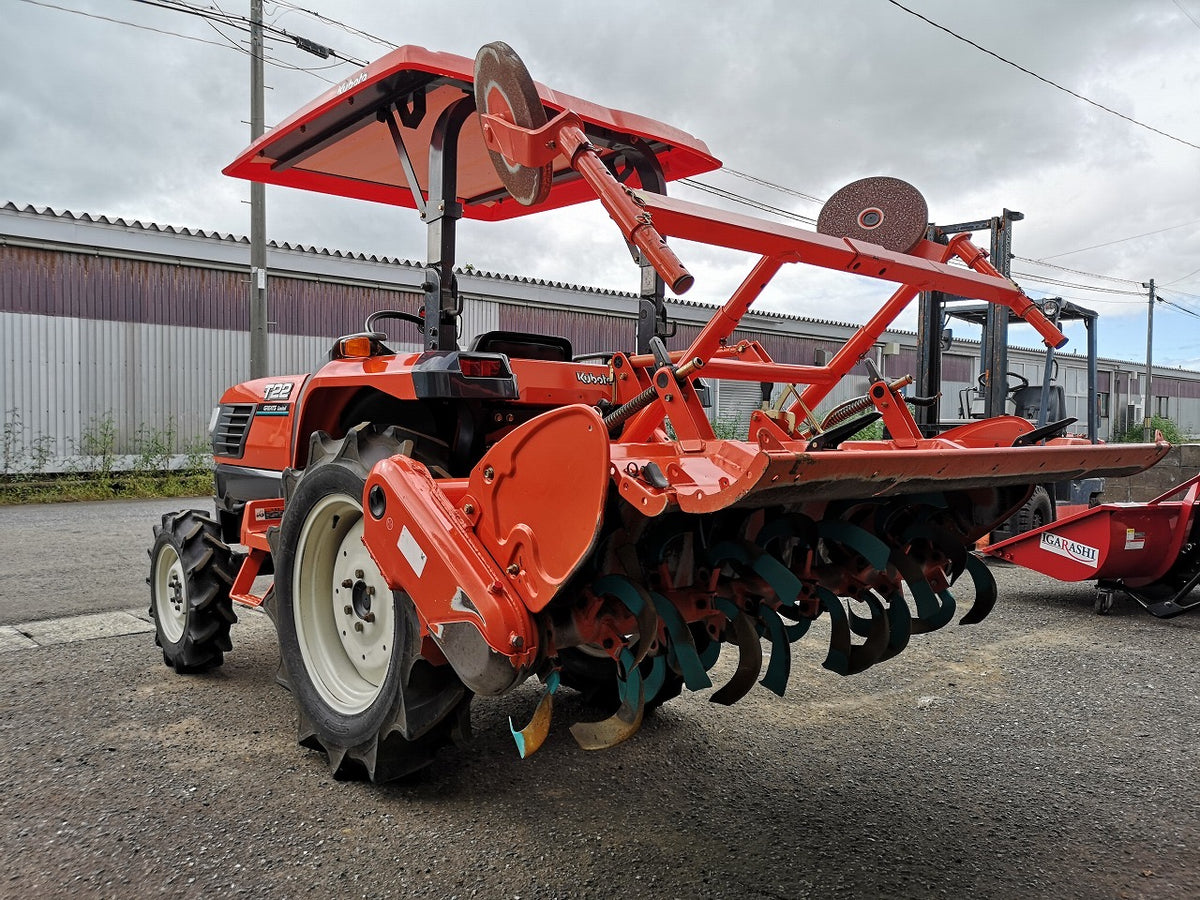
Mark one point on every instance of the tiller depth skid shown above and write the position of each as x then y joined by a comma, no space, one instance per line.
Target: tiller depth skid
577,519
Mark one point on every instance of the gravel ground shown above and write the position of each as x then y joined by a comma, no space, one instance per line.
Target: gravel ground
1048,752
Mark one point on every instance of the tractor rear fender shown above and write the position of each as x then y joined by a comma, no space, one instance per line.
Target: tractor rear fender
479,557
424,547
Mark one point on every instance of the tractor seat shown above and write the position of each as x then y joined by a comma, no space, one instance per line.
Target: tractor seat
521,345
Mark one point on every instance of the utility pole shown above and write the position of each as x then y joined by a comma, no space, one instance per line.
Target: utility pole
1147,431
259,363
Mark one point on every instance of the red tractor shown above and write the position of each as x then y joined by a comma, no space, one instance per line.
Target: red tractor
448,523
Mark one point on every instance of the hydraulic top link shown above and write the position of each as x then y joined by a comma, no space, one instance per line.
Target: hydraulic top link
564,135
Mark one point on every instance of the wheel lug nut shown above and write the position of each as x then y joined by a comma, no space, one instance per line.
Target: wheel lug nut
358,626
369,617
370,591
347,583
358,573
347,609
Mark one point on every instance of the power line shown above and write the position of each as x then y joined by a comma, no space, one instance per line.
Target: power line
80,12
1183,309
1043,279
1043,79
216,14
349,29
1078,271
771,184
1132,237
1186,13
745,201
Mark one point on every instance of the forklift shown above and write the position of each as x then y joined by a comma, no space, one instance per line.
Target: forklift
998,391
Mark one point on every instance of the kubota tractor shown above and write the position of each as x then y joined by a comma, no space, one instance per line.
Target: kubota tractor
449,523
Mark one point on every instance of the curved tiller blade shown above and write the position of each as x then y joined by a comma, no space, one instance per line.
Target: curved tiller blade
749,656
985,591
779,667
533,735
933,610
622,724
845,657
681,644
637,600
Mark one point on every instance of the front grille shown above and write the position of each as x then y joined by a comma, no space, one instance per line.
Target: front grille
233,423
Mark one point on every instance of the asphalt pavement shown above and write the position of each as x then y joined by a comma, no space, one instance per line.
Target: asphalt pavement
1047,752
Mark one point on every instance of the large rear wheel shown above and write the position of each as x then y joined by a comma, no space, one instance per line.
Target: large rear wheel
350,645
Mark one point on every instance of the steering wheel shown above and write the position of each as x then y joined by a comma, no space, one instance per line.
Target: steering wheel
392,314
1009,389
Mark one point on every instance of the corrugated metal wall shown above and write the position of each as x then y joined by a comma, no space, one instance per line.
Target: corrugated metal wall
143,341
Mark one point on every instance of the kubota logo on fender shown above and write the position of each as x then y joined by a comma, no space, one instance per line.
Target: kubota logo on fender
352,82
1081,553
592,378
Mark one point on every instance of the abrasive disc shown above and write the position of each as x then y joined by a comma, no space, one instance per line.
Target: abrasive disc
885,211
504,87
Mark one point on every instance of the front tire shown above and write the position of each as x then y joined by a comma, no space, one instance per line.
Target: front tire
191,572
350,645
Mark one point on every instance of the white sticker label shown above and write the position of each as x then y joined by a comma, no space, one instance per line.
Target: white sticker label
1081,553
1134,539
412,551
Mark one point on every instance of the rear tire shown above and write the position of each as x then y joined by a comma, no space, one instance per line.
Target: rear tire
1036,512
351,647
191,572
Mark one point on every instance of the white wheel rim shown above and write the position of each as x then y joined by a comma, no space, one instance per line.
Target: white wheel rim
346,654
170,594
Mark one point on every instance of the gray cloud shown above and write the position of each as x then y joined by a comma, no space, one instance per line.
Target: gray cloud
105,118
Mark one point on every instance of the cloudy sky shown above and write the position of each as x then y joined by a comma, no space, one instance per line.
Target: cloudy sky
126,108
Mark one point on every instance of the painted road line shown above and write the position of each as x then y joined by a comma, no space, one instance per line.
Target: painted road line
49,632
12,639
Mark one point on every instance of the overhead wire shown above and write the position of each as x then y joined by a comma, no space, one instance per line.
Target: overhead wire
89,15
1076,271
349,29
1042,78
1186,13
1132,237
745,201
215,13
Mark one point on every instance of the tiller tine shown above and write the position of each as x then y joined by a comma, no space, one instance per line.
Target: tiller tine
681,645
622,724
861,541
956,548
653,680
900,623
533,735
985,591
749,655
845,657
933,610
779,667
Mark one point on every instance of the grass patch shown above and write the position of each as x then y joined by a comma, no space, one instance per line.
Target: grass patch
113,486
98,471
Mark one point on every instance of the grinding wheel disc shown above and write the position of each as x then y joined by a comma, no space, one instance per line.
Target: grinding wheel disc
885,211
503,87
